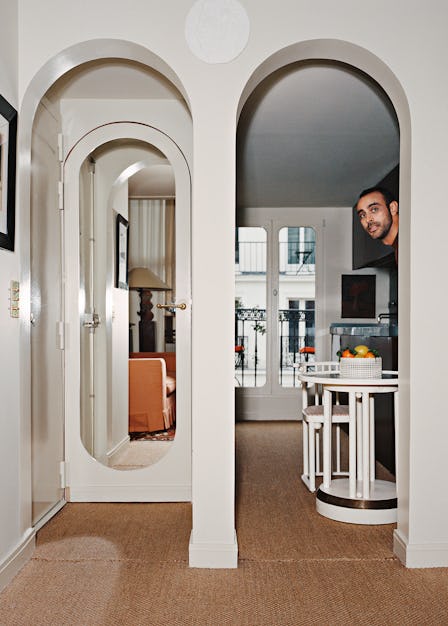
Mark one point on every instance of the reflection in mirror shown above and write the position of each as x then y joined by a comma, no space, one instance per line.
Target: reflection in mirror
127,266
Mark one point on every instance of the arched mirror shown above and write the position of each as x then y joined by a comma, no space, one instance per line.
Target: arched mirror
127,281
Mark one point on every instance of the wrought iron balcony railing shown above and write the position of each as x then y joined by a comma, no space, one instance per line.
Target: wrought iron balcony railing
296,344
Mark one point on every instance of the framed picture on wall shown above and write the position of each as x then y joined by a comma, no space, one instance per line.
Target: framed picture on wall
121,253
8,138
358,295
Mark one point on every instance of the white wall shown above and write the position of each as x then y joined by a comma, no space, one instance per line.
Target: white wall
15,472
338,261
409,57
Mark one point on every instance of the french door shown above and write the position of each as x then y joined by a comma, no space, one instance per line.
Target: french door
275,309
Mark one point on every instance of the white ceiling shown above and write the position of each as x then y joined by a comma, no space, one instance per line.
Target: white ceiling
309,135
314,135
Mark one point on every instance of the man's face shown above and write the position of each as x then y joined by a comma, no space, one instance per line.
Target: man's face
374,215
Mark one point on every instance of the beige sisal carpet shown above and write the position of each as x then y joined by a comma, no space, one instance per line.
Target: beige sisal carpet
113,564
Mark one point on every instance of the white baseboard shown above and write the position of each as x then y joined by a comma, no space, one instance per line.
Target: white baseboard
130,493
116,450
14,562
213,555
51,513
420,555
399,546
261,407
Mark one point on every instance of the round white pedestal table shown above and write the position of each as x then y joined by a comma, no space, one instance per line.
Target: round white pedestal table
360,498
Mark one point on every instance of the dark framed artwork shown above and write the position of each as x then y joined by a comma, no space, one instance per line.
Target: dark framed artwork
121,253
358,295
8,139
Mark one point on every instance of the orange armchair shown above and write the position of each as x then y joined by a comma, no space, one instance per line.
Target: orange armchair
152,394
168,357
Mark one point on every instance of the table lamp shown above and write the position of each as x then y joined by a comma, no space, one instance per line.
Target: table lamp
145,282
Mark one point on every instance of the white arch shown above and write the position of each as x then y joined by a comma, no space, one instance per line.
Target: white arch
363,60
47,75
83,52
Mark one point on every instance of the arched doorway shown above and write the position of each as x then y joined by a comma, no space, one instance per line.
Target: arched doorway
366,63
325,132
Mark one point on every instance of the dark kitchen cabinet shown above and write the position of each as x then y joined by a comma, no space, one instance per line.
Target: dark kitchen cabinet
384,403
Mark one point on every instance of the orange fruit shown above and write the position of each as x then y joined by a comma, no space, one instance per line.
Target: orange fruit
347,354
369,355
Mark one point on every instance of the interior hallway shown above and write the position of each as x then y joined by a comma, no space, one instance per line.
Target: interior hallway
103,564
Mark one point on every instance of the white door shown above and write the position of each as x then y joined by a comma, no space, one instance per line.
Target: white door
47,357
96,380
277,312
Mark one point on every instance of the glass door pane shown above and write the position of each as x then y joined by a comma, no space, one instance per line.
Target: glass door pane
250,307
296,301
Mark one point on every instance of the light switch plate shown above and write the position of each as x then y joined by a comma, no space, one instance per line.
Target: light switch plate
14,297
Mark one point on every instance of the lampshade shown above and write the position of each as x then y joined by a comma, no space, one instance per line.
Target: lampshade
143,278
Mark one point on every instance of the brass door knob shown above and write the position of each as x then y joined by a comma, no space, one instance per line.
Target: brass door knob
182,306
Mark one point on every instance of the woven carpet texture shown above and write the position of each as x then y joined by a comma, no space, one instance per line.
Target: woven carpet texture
111,564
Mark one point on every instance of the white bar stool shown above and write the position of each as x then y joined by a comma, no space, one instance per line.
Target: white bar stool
313,418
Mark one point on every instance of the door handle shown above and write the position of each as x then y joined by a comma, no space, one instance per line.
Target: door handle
182,306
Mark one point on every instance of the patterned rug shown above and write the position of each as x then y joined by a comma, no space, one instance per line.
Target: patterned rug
160,435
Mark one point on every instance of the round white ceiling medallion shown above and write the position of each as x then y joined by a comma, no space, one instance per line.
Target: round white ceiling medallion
217,31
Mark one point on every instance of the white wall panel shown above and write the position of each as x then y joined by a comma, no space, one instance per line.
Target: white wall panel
15,474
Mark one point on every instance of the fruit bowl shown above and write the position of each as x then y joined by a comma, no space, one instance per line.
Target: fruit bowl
361,368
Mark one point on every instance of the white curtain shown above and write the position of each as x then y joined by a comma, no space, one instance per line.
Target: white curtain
151,245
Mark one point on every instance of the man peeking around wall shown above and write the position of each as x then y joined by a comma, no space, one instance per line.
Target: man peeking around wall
378,213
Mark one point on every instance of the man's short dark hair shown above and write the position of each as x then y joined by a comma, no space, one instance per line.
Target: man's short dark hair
387,195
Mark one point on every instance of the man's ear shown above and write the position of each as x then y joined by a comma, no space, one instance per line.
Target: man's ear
393,207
